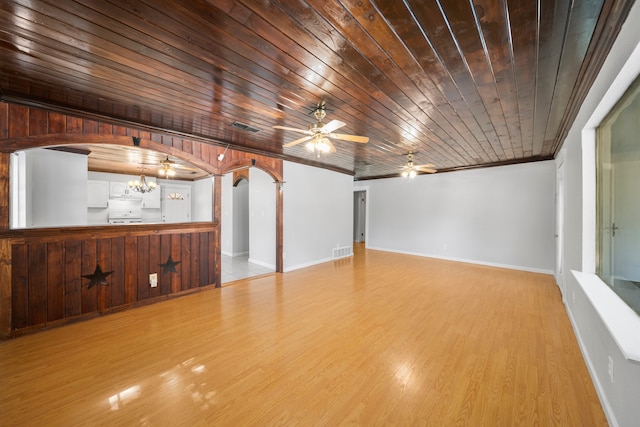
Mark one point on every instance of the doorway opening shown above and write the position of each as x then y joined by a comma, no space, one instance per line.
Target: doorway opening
247,226
359,216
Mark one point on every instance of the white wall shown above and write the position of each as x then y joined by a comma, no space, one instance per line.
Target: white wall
18,182
596,336
241,218
318,214
262,219
502,216
202,199
56,188
226,227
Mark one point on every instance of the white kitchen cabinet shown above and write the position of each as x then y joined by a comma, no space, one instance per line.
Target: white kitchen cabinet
121,190
97,194
151,200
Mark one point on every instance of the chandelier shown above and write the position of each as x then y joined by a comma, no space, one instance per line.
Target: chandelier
142,186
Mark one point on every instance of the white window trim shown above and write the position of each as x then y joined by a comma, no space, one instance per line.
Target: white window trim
621,321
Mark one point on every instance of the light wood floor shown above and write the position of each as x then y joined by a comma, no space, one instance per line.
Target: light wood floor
376,339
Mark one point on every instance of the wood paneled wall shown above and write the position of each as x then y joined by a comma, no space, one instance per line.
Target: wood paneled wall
23,127
47,269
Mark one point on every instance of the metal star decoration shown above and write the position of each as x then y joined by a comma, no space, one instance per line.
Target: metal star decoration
98,277
170,265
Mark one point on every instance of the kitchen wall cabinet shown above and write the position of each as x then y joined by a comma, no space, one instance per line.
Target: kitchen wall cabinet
151,200
97,194
121,190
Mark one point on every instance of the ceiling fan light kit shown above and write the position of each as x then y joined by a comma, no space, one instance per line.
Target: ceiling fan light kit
166,168
319,135
167,172
410,170
319,147
411,174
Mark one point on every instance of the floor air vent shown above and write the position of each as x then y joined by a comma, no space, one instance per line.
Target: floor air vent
342,252
244,126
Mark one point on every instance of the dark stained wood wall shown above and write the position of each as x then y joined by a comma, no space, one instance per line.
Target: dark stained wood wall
41,270
47,283
23,127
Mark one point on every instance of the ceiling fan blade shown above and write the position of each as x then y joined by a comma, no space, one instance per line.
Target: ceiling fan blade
305,131
427,170
428,166
352,138
332,125
297,141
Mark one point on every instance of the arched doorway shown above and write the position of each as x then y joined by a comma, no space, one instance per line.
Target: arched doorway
247,225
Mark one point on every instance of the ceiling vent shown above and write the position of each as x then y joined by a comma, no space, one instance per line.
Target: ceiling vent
244,126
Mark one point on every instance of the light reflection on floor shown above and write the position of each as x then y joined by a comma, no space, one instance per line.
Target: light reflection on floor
186,372
239,267
117,401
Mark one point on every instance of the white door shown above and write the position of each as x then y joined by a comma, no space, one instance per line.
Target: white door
176,203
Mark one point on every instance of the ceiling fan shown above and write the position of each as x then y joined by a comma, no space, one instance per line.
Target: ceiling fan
168,167
411,170
319,135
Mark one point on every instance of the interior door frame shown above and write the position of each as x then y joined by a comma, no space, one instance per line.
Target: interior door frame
359,216
367,196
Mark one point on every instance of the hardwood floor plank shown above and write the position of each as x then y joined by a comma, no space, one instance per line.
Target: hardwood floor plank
379,338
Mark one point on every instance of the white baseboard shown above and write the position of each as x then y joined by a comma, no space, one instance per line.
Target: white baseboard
467,261
312,263
234,254
262,263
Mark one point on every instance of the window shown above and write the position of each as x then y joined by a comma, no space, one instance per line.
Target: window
618,198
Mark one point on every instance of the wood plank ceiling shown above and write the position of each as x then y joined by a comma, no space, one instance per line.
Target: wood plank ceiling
462,83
